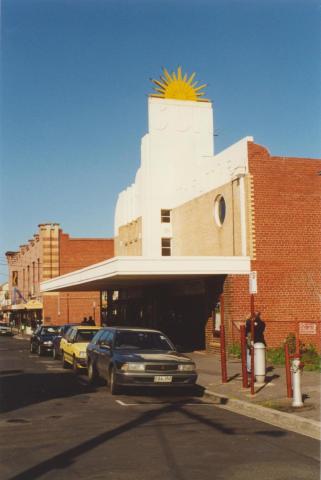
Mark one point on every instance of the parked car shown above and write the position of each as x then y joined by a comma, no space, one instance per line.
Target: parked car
56,351
73,346
5,328
137,357
41,340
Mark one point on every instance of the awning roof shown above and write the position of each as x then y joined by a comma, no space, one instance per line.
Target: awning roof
30,305
120,272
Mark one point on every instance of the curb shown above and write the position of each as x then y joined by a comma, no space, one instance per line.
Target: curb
287,421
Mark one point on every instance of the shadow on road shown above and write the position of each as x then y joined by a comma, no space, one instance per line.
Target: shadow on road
23,389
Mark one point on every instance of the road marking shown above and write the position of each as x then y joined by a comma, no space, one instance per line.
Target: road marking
193,404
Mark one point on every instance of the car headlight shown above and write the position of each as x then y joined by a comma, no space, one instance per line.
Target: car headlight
133,367
186,367
82,354
49,342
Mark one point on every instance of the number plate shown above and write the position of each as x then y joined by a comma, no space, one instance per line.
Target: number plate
162,379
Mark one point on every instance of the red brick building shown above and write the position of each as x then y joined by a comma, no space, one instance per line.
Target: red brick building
50,253
286,206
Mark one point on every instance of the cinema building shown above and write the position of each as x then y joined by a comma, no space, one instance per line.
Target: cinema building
195,227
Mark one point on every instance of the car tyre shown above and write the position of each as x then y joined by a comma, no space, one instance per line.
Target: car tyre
54,354
114,387
64,363
75,366
40,351
92,373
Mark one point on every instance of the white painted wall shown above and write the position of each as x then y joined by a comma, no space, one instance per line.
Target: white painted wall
177,164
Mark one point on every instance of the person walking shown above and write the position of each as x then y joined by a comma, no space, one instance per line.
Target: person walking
259,327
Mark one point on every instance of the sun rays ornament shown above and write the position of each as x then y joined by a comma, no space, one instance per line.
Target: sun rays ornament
178,87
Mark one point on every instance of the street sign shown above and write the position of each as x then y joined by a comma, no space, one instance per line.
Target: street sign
307,328
253,282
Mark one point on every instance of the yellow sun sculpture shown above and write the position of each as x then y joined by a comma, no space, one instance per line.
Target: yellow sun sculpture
178,87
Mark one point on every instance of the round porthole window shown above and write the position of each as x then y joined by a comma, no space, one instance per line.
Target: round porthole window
219,210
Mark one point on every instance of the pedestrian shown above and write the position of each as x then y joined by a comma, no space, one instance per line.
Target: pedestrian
91,321
259,327
85,321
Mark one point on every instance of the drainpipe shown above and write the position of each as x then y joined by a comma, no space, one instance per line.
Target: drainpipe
242,214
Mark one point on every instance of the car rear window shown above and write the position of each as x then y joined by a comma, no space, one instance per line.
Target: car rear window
85,335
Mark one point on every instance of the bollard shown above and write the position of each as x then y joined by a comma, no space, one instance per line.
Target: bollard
259,362
223,355
288,371
296,382
243,356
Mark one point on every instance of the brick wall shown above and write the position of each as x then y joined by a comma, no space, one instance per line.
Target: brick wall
76,253
287,223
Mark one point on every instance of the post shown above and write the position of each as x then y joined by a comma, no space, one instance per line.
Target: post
288,371
223,355
243,357
297,340
252,354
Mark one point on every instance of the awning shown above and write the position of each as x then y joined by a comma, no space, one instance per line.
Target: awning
119,272
33,305
30,305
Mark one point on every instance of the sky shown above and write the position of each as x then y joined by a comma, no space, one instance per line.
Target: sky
74,86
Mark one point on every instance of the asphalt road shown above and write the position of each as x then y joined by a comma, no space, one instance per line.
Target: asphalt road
53,425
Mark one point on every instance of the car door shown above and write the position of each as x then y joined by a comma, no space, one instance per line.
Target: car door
66,344
104,353
93,347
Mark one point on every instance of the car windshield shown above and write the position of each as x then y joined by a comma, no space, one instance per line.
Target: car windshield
50,330
140,340
85,335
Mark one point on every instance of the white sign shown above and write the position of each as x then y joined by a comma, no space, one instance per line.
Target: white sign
307,328
253,282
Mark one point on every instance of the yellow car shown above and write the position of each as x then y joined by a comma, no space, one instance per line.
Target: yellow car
73,346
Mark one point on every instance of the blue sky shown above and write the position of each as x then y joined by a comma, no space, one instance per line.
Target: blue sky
74,86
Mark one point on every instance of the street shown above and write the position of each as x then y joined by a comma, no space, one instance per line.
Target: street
54,425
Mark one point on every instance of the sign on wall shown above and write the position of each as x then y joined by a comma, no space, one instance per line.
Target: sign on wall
253,282
307,328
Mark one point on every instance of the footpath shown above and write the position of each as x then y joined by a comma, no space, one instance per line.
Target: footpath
269,403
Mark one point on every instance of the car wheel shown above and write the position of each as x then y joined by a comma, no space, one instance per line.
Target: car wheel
64,363
54,354
75,366
114,388
39,351
92,373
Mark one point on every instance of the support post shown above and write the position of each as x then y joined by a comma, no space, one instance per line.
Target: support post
288,371
297,340
243,357
223,355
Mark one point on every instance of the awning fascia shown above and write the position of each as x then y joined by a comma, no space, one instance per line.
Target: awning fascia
130,271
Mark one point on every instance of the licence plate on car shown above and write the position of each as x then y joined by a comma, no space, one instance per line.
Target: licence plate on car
162,379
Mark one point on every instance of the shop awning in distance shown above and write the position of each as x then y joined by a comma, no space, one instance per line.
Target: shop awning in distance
121,272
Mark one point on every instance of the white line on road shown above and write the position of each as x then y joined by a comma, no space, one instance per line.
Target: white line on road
200,404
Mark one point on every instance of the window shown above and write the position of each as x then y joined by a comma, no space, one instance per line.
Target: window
219,210
165,216
166,247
